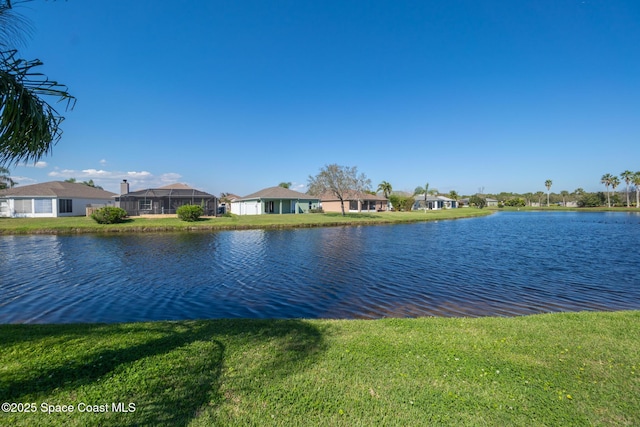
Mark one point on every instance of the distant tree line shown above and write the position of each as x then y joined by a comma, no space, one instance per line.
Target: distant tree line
610,197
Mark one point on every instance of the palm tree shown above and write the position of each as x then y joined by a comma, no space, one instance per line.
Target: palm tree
636,183
5,179
627,176
606,180
422,190
547,184
615,181
386,188
564,194
29,126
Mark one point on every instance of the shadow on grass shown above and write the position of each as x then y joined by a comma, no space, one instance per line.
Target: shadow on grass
171,371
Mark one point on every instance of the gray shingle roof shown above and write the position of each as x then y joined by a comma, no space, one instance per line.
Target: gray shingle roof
277,193
59,189
171,190
352,195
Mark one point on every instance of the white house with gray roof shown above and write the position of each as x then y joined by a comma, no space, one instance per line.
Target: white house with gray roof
52,199
434,203
274,200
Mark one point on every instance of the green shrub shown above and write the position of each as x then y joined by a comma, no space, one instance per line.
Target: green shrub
517,202
401,203
109,215
190,213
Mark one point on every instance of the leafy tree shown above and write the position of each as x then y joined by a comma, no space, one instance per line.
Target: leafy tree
89,183
284,185
386,188
590,200
340,181
478,201
5,179
29,126
606,180
627,176
400,202
548,184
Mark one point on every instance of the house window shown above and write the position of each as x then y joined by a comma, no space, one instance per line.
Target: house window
43,206
65,206
22,206
144,205
270,207
353,205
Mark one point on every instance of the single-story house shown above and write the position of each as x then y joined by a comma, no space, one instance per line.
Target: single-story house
354,202
224,202
52,199
274,200
434,203
164,200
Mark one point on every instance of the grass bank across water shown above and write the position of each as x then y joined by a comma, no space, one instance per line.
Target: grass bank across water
137,224
553,369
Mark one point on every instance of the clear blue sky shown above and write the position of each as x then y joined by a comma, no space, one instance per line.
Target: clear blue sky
235,96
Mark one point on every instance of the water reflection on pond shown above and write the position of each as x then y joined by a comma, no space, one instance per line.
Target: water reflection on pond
506,264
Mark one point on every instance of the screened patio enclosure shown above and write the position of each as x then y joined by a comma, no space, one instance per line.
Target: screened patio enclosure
166,200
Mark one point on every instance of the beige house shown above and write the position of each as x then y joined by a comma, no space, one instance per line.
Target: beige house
354,202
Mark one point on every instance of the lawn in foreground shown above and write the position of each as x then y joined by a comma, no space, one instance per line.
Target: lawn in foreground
552,369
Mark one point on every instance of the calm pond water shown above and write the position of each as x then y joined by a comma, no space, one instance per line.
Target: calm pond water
510,263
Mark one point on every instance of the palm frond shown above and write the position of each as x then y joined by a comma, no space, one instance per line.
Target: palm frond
29,126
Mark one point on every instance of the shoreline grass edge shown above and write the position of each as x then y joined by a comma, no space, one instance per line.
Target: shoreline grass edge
81,225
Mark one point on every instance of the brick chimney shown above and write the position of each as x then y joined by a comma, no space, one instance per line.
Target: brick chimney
124,187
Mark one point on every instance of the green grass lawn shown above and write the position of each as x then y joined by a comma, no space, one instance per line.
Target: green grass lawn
553,369
136,224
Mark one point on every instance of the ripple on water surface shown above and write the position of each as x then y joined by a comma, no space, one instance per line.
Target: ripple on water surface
506,264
